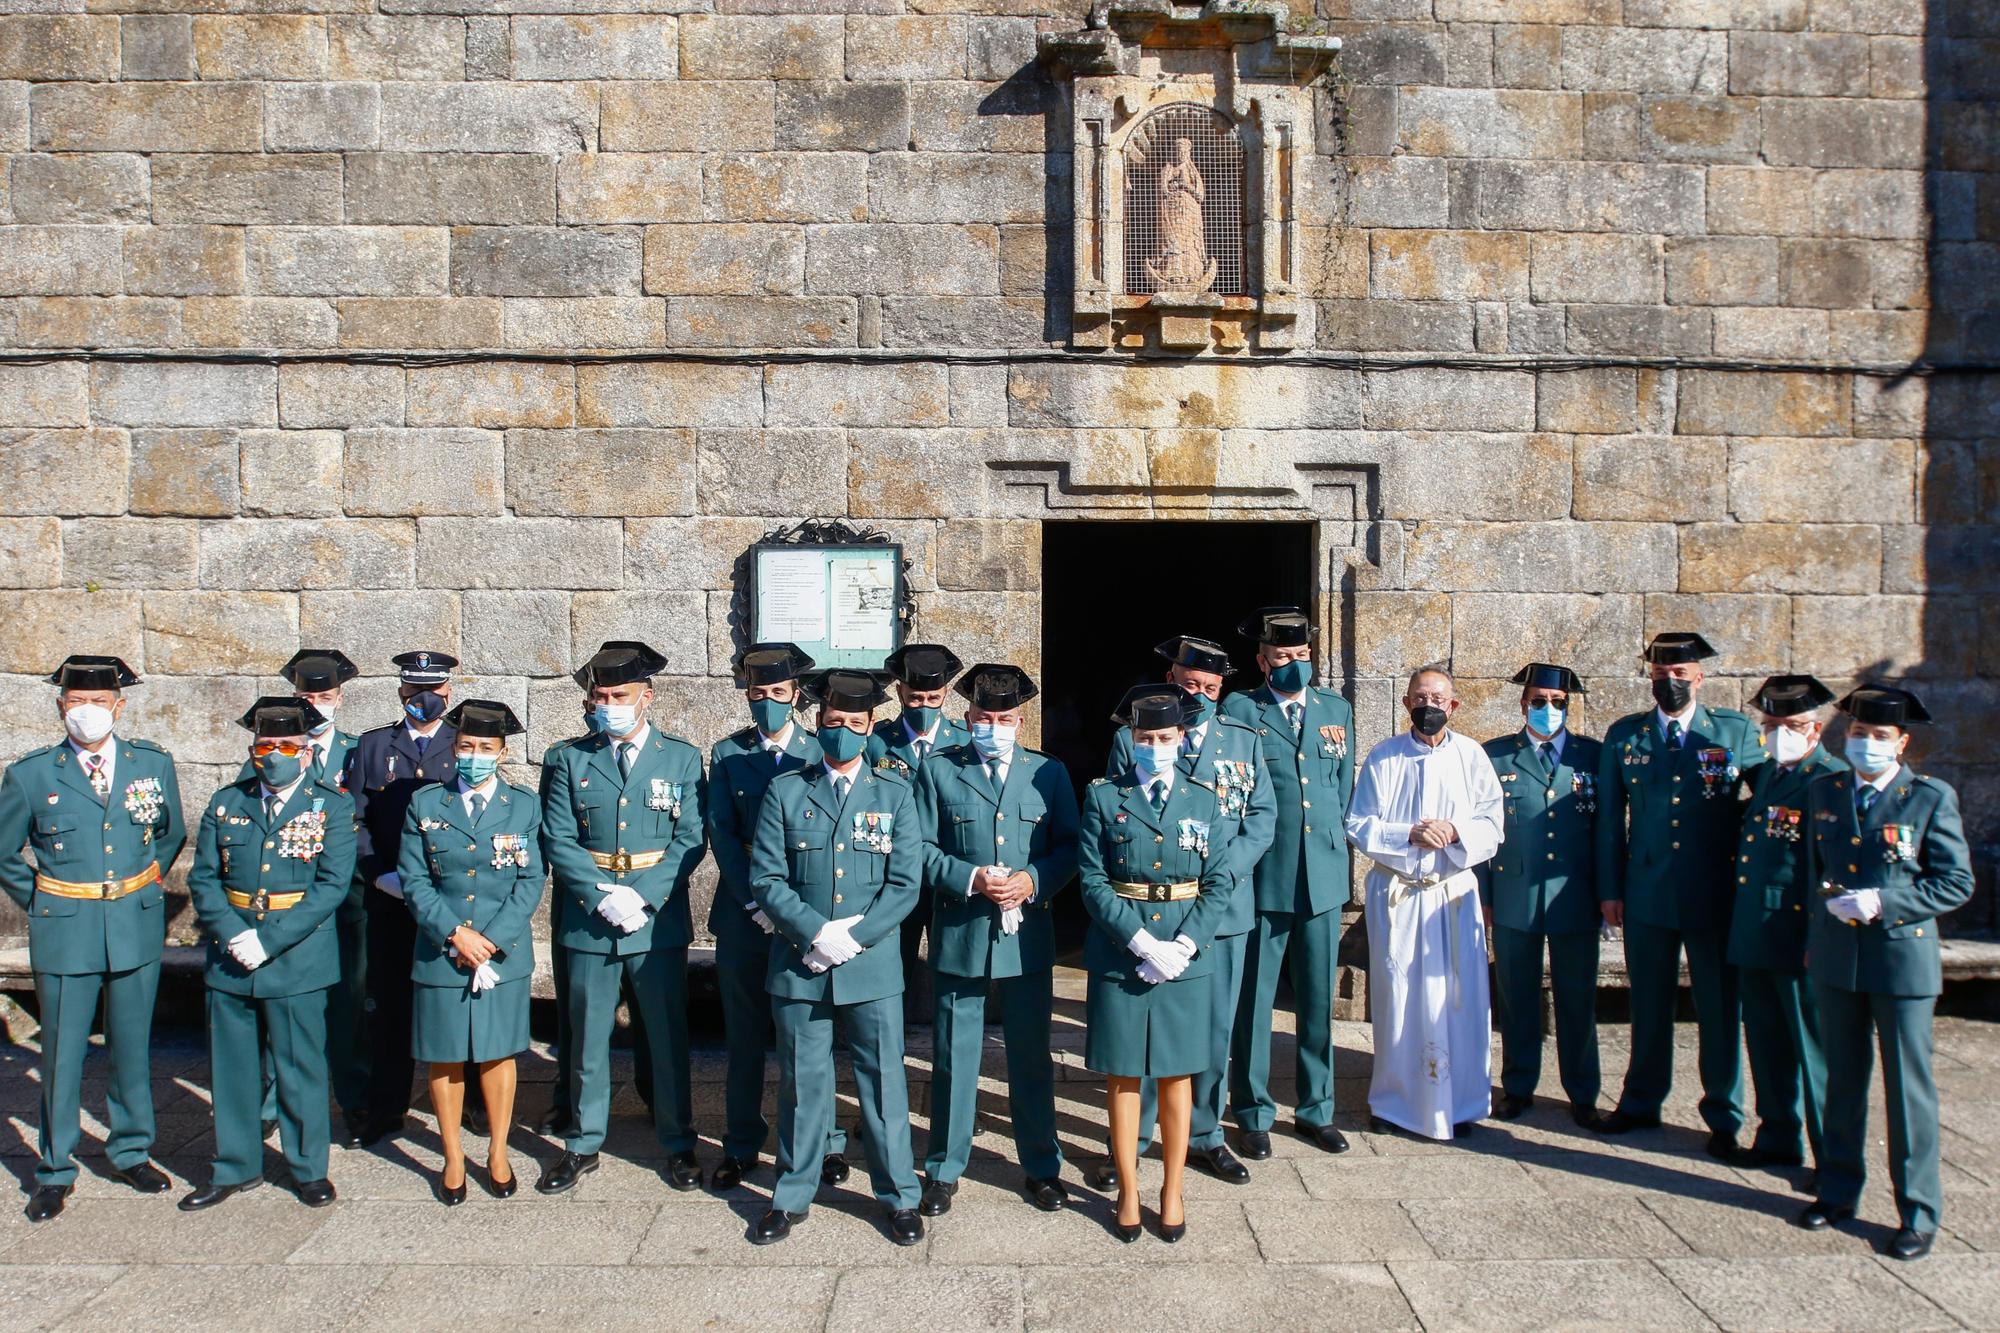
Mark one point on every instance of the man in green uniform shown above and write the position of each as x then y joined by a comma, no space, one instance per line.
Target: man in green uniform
1670,781
834,866
1541,888
998,822
103,816
1225,754
1887,850
272,863
1301,882
1767,928
622,832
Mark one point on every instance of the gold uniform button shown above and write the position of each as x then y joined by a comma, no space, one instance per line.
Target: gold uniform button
1677,800
1857,842
1552,856
840,874
267,846
1305,805
998,817
1746,860
621,824
1159,837
267,868
1742,879
999,841
1304,781
1309,828
468,898
1156,865
837,898
1852,870
471,873
1920,932
1677,846
623,801
1156,916
1675,823
840,846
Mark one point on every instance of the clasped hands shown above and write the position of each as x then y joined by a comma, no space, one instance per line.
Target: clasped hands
1005,888
1433,834
248,950
1161,960
622,906
1856,906
834,945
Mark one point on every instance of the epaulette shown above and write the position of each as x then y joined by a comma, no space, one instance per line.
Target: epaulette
1099,782
901,779
145,745
42,750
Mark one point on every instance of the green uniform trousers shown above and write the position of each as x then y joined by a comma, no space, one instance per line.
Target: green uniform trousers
562,1097
1517,1002
658,981
959,1039
69,1006
874,1031
1211,1085
292,1028
1781,1030
346,1014
1652,967
1307,943
1902,1024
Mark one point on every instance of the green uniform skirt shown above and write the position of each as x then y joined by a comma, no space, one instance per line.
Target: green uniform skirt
449,1024
1139,1030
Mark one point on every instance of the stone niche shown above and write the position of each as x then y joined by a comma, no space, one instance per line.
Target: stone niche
1190,124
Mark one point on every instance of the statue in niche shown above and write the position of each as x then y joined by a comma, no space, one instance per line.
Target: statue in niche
1183,264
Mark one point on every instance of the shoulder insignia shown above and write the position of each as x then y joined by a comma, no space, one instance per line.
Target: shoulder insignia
145,745
42,750
1100,782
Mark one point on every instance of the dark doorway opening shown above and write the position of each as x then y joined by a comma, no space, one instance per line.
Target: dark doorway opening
1113,590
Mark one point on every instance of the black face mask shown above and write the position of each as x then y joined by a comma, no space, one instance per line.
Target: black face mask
1429,719
1672,695
425,707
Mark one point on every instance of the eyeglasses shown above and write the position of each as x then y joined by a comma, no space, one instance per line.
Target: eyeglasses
286,748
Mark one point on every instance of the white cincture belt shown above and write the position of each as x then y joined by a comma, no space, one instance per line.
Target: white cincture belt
1404,887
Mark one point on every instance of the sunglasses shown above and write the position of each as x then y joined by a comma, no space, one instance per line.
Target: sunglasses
286,748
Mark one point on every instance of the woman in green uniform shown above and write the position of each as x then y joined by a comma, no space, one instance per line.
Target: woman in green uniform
1155,895
472,874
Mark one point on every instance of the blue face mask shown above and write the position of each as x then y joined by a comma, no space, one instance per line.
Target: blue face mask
425,707
1204,709
474,769
1547,719
840,743
1870,754
278,771
1153,760
771,715
618,719
1291,677
921,720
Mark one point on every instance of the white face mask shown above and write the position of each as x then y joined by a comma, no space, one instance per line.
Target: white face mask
1788,746
88,724
325,711
618,719
1156,759
992,740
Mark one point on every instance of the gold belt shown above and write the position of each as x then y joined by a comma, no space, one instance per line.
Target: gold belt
1158,893
620,863
262,901
105,891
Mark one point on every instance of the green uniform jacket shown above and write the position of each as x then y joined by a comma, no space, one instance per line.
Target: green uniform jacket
309,850
1030,824
739,773
46,803
1767,927
1124,841
488,878
1544,877
1231,763
1912,848
336,761
587,807
1671,866
1312,779
889,747
811,864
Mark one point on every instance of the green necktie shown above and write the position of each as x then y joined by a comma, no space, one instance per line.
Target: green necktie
625,759
1864,799
1159,796
1673,734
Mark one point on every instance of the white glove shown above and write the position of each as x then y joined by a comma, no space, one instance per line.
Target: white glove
1859,906
391,884
817,961
248,950
1169,960
1187,946
1151,974
484,978
836,940
1010,920
1142,944
619,904
632,922
763,922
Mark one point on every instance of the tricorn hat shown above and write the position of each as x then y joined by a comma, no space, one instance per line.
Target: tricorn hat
315,669
1547,676
997,687
1672,649
1884,706
1278,626
1789,696
619,662
771,664
923,666
1196,655
1187,706
484,717
280,715
847,689
84,671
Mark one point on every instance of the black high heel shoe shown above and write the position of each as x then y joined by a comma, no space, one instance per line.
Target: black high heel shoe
451,1196
1126,1233
502,1189
1171,1234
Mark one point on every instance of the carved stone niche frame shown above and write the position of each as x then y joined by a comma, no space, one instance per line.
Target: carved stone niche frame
1142,74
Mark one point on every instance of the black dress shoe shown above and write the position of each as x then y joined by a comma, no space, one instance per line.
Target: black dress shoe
1464,1129
475,1119
211,1194
555,1124
1724,1148
349,1132
1588,1117
1907,1244
1510,1107
1102,1174
502,1189
1819,1216
729,1173
1377,1125
319,1193
1620,1121
145,1178
774,1226
380,1130
1766,1158
937,1198
1256,1144
905,1227
1809,1185
1047,1193
683,1171
47,1201
567,1170
833,1169
1220,1163
1323,1136
451,1196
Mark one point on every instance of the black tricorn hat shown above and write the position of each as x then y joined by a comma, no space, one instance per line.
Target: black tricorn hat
1884,706
1278,626
280,715
847,689
1547,676
771,664
997,687
1153,706
484,717
424,667
923,666
1789,696
84,671
319,669
1196,655
619,662
1672,649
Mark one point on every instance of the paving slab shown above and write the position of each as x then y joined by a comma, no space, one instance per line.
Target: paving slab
525,1229
841,1230
232,1296
977,1232
1596,1228
1305,1296
1801,1293
1346,1230
1965,1286
1489,1296
34,1296
727,1300
1351,1177
262,1227
938,1300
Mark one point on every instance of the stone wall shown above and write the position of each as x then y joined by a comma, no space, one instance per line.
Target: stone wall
1646,261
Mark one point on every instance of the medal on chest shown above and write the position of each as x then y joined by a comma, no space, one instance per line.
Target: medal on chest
1234,780
304,835
1899,844
1783,823
1191,835
1333,742
1718,770
1583,789
144,800
874,831
664,795
510,849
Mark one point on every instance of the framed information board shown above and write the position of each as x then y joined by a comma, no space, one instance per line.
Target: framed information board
841,604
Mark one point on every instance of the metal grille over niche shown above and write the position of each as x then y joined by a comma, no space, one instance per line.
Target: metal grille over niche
1167,188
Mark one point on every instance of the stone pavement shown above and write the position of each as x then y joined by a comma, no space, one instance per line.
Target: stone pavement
1527,1225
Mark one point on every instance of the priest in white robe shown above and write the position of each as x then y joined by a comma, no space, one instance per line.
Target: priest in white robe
1427,808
